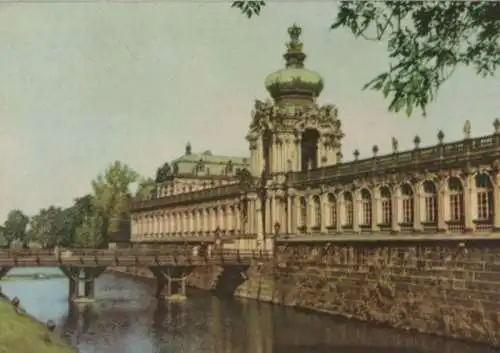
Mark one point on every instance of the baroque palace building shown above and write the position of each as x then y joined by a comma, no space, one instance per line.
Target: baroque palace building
295,182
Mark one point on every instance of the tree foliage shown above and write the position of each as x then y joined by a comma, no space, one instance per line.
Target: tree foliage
15,228
426,42
112,197
47,227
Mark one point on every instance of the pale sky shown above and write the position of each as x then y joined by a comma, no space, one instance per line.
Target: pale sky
82,85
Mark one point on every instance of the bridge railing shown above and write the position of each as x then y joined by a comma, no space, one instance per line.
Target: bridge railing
119,255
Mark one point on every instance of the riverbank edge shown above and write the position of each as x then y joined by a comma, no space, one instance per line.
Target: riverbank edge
260,289
56,337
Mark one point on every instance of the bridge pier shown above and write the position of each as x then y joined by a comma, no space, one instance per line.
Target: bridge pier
4,271
74,277
170,281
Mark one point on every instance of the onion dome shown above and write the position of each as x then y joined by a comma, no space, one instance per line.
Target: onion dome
294,82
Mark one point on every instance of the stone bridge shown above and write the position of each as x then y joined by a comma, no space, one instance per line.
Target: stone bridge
169,267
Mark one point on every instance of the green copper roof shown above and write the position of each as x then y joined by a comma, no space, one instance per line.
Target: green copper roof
207,164
294,79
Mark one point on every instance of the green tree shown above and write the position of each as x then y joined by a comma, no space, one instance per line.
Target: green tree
15,228
3,242
112,197
46,227
426,42
89,234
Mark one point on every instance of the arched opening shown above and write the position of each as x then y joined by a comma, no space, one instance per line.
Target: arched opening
430,205
185,223
223,219
386,209
206,224
456,202
231,222
317,212
309,149
408,207
366,209
267,141
332,208
484,194
348,220
194,221
303,213
201,221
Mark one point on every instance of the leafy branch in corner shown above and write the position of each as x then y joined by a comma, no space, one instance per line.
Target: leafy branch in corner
426,42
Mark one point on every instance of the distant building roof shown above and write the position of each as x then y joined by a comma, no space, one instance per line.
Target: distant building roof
207,164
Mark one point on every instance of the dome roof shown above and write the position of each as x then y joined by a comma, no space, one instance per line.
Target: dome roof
294,81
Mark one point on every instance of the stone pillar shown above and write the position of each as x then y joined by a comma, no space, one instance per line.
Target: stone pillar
289,215
258,223
340,211
418,208
324,212
298,154
73,275
442,203
395,208
469,204
356,203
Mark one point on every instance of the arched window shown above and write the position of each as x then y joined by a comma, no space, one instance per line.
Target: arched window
194,220
185,224
456,215
309,149
408,206
223,218
430,202
484,192
385,207
317,211
174,222
348,210
205,221
215,219
366,208
332,211
303,212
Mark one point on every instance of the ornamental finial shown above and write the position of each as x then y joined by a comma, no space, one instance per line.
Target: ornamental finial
294,56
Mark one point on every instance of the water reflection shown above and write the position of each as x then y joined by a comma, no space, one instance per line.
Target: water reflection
127,319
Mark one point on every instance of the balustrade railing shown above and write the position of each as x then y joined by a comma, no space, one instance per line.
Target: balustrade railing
480,145
187,254
212,193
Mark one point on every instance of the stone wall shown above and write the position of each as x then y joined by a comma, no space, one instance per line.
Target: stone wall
448,287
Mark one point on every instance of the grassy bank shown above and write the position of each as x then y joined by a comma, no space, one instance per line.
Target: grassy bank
20,333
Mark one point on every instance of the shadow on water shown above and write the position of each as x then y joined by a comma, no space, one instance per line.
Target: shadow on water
126,318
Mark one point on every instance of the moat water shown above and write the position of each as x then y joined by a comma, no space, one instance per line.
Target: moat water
125,318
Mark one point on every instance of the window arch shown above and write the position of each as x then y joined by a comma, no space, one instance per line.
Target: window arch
348,210
408,206
366,208
430,202
484,195
332,211
385,207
